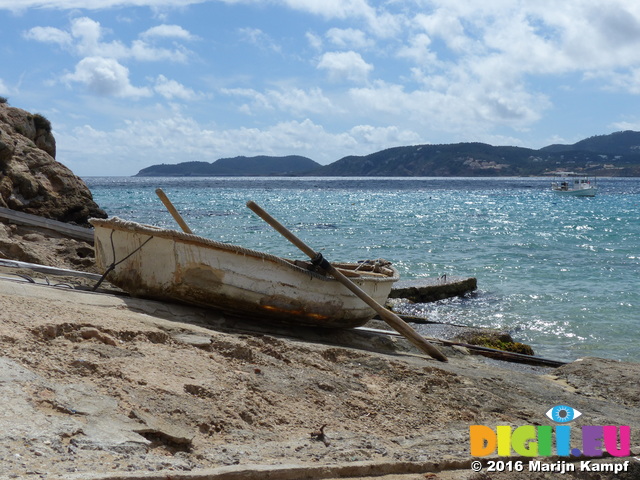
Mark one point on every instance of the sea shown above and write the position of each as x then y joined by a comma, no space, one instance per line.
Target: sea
561,274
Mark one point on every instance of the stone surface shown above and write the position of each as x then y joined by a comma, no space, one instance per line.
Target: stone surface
158,405
31,180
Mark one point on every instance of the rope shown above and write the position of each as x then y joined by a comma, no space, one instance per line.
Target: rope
320,261
114,264
128,226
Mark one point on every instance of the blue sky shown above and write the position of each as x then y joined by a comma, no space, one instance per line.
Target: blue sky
131,83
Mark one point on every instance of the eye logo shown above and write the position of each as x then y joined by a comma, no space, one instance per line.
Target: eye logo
562,414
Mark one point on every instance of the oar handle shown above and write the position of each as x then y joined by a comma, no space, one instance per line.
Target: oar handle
391,318
172,210
284,231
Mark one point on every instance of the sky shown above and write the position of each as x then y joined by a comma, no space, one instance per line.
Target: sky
131,83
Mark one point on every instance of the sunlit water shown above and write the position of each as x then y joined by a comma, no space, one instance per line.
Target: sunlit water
559,273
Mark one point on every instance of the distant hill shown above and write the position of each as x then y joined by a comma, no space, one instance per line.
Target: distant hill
616,155
459,159
618,143
237,166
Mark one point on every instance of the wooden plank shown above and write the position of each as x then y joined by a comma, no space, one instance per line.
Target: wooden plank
50,270
73,231
432,289
479,350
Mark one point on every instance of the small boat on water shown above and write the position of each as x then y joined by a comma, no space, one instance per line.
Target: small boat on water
162,264
576,185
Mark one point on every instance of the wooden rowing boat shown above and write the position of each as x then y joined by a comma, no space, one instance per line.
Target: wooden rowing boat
151,262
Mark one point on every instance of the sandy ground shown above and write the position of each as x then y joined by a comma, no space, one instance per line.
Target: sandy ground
98,385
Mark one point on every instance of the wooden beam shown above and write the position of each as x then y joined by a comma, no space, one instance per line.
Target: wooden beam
50,270
73,231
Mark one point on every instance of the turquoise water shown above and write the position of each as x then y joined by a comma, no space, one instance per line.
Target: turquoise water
559,273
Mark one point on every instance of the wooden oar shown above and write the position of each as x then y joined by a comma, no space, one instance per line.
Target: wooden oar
391,318
172,210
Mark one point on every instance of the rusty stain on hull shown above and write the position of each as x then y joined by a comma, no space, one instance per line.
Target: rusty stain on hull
279,304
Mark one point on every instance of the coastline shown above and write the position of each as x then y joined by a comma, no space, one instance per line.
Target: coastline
105,386
541,261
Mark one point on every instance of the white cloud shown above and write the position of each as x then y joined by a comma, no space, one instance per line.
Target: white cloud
258,38
301,102
171,89
140,50
101,72
419,50
626,125
596,35
88,34
167,31
465,108
378,138
175,137
544,37
349,38
345,66
445,24
315,41
379,21
258,100
49,35
4,90
620,82
332,8
453,66
85,38
21,5
105,77
293,100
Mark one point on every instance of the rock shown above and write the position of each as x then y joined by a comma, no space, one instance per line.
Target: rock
31,179
55,413
88,333
45,247
493,339
168,431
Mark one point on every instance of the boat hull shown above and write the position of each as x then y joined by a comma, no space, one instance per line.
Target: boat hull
583,192
168,265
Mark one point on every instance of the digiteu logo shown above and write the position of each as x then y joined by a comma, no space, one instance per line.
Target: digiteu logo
533,441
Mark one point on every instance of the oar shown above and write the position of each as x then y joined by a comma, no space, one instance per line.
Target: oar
391,318
172,210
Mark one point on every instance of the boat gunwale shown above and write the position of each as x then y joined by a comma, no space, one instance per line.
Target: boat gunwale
116,223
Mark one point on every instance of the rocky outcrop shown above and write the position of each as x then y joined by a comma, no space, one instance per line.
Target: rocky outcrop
31,180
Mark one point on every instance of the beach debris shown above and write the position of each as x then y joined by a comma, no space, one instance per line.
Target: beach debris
320,436
433,289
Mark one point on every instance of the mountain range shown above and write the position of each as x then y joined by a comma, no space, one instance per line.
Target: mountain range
236,166
615,155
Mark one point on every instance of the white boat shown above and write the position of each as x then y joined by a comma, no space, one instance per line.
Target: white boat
576,185
162,264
